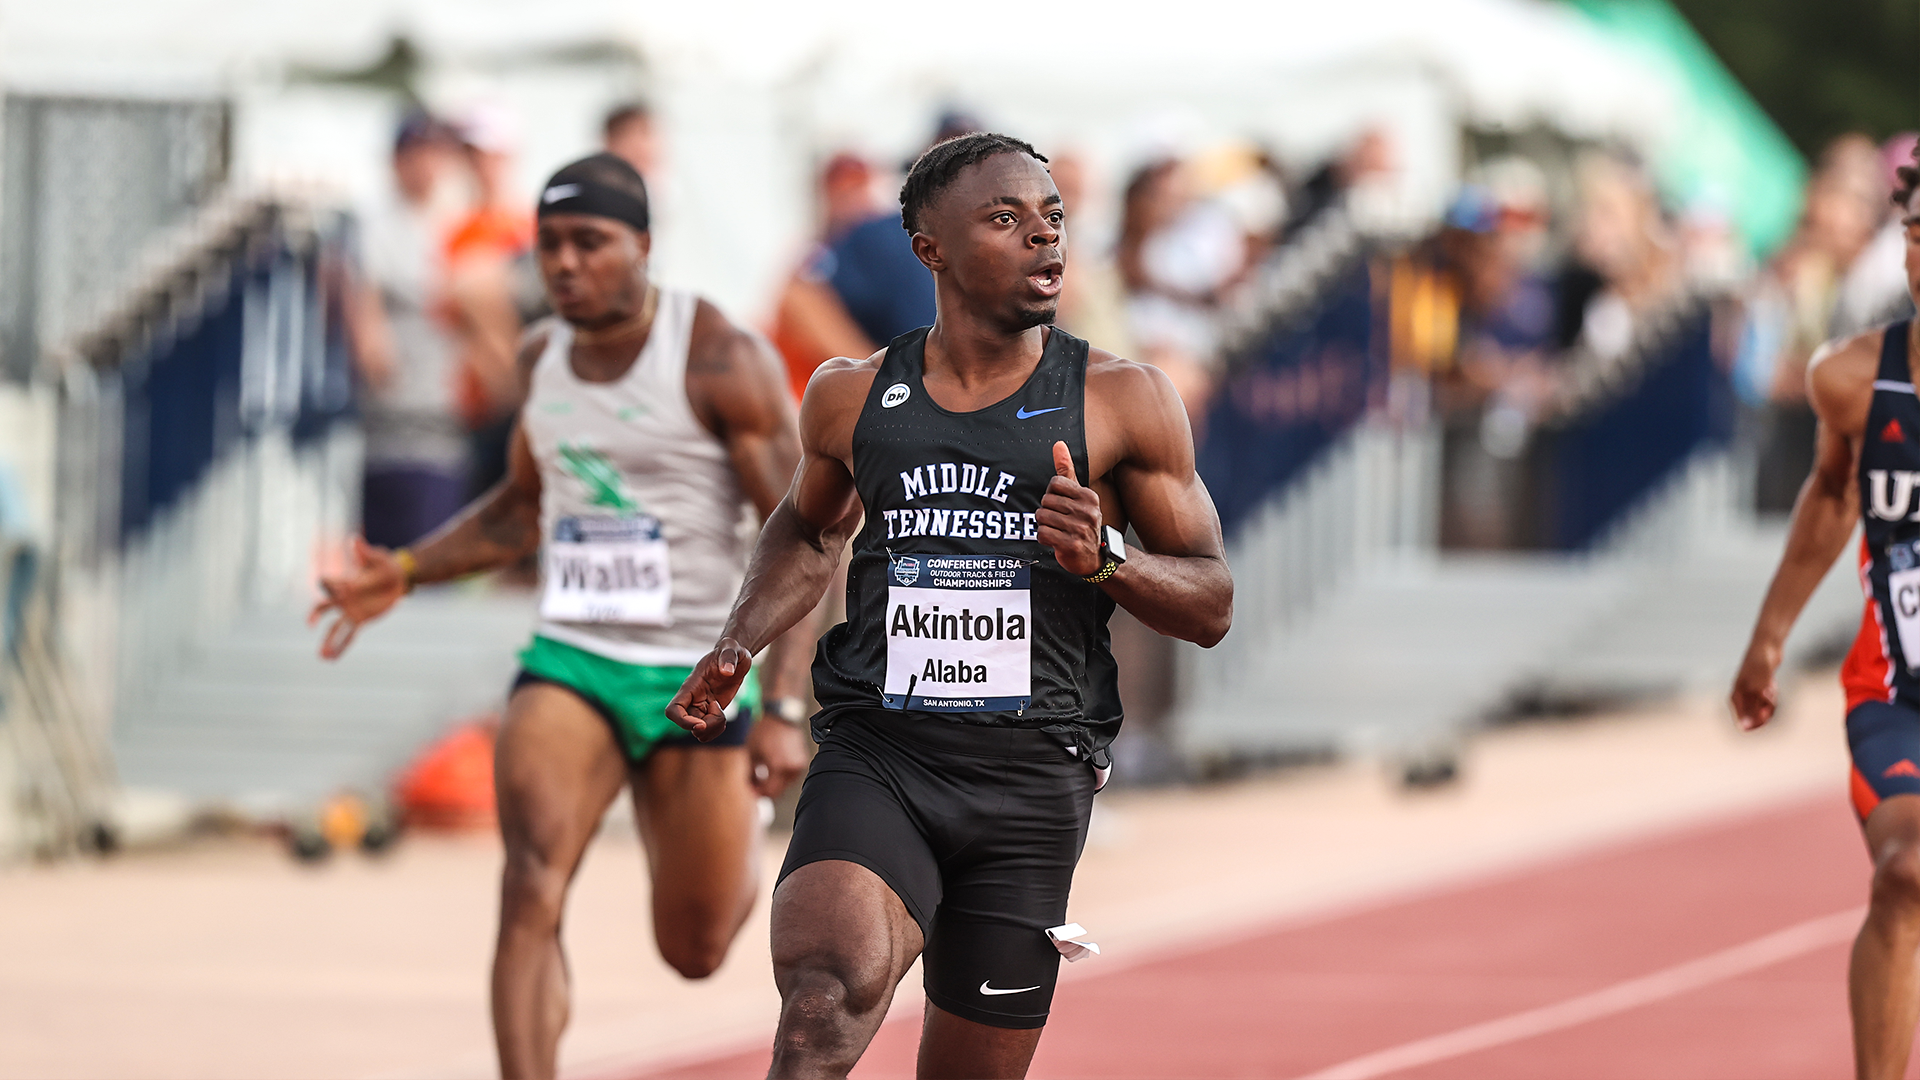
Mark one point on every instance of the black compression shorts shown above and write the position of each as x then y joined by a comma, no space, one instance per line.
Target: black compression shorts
976,829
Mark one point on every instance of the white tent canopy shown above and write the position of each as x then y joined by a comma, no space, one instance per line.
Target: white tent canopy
754,92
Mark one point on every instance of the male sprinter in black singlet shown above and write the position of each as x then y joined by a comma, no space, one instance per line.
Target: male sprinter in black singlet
1867,468
968,700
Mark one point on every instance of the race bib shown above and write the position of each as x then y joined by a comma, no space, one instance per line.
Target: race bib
608,570
959,633
1903,589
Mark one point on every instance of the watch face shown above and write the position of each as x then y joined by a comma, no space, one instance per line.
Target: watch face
1116,544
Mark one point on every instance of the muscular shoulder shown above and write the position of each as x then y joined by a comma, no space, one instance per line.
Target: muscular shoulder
1840,380
1116,379
1140,412
717,344
836,393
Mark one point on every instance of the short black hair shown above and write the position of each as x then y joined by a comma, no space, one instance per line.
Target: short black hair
943,161
619,115
1906,180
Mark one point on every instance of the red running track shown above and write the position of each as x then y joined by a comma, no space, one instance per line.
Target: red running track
1304,998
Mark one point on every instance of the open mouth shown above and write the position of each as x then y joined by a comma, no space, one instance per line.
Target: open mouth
1046,280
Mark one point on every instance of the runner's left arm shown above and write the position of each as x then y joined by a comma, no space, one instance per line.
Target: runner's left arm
742,394
739,387
797,551
1178,582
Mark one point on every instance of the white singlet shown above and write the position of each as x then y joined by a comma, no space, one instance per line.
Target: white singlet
640,509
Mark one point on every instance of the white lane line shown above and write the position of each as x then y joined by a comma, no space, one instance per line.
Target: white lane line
1620,997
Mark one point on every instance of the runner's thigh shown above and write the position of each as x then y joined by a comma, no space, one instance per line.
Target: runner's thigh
556,770
701,826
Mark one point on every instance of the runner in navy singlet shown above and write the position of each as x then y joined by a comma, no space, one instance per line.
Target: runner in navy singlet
968,700
1867,470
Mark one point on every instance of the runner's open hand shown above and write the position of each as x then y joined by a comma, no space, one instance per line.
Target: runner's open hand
776,755
701,704
1069,518
1754,693
364,593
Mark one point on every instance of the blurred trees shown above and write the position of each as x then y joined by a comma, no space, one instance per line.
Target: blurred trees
1820,69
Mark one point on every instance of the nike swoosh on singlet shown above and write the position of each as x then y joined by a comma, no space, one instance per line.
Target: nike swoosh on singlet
990,991
1023,414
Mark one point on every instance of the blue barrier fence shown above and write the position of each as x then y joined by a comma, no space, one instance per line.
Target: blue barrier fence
1296,391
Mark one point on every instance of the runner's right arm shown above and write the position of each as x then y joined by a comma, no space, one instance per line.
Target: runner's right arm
798,549
1840,387
498,529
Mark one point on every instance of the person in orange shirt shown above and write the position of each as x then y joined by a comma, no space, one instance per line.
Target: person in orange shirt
492,289
810,323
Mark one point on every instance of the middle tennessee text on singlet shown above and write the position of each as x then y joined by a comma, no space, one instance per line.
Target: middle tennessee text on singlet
953,606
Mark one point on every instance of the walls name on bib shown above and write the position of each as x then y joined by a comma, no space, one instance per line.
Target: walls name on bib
958,633
608,569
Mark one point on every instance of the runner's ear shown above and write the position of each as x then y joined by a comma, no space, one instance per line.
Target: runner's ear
1063,461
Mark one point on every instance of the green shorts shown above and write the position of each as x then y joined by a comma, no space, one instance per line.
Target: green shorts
631,698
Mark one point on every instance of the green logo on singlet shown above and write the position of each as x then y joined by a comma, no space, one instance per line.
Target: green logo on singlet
598,475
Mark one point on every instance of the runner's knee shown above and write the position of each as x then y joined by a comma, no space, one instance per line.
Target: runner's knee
1896,878
533,891
820,993
695,953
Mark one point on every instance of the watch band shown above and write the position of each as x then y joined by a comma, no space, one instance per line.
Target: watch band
792,710
409,566
1105,572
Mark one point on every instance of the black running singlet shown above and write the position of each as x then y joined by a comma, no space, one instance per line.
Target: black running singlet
953,607
1883,663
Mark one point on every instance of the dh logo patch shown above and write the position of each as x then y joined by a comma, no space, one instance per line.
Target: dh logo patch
895,394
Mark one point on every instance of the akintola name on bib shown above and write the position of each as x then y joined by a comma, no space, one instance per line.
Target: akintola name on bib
958,633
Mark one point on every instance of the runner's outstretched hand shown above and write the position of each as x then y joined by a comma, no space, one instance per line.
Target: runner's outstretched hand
776,755
701,704
1069,518
1754,692
372,585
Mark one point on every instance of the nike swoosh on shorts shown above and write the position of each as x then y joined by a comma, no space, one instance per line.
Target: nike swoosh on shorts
1023,414
991,992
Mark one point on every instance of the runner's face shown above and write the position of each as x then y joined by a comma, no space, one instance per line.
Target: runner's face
1000,235
1912,223
595,268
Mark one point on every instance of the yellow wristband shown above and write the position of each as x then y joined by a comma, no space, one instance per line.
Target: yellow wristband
408,566
1105,572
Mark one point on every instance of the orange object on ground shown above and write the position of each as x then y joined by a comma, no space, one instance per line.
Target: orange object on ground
450,785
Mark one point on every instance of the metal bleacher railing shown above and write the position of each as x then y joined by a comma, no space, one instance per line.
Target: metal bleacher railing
190,342
1355,633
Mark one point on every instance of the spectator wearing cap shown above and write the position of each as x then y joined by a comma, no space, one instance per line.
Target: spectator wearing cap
1500,375
405,348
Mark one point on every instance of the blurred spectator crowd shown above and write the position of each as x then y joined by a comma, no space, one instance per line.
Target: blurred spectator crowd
1547,271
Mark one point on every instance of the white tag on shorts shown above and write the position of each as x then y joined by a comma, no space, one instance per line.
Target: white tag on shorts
1075,951
608,570
959,633
1903,588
